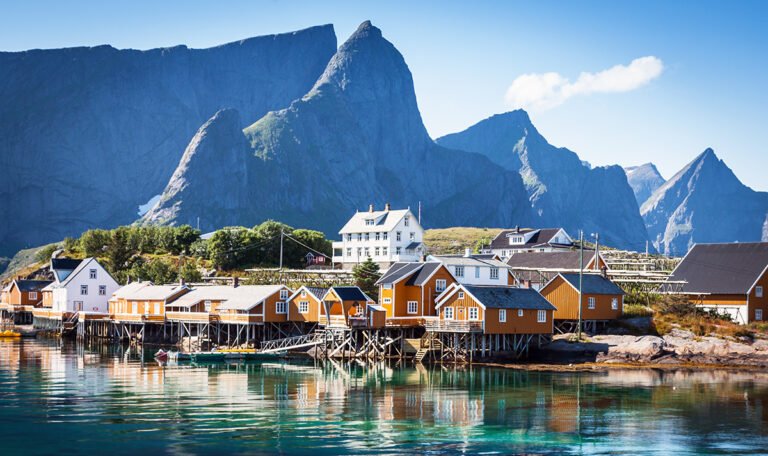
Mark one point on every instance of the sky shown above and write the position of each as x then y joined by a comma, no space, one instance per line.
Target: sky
617,82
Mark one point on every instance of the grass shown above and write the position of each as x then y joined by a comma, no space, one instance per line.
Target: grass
443,241
636,310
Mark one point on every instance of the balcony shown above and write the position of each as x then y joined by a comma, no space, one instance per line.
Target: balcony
459,326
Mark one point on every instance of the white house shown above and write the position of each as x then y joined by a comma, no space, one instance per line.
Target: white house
476,269
516,240
386,237
87,288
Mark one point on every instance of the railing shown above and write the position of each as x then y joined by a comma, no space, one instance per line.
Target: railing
292,343
434,324
190,316
240,318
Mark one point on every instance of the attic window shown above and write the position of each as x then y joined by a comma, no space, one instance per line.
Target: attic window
516,240
93,273
406,221
368,222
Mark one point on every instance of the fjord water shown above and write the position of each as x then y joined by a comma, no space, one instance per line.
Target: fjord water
72,399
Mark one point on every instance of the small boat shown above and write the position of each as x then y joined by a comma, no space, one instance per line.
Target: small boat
8,333
161,355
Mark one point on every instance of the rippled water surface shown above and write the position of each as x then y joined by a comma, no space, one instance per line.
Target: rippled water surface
107,400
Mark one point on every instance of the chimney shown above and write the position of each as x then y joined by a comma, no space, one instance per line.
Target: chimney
467,252
370,208
235,282
386,207
182,282
517,228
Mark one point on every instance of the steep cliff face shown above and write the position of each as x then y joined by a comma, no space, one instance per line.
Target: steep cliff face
562,190
355,138
704,202
89,134
644,180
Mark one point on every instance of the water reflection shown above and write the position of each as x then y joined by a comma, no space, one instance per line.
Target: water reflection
108,398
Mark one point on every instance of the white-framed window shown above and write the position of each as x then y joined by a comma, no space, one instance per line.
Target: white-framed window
412,236
303,307
376,251
458,271
377,236
387,300
134,307
303,293
758,291
449,313
349,251
385,236
474,313
283,294
207,305
387,286
494,273
591,302
541,316
615,303
367,252
413,307
520,312
367,237
759,314
359,236
157,308
349,237
384,251
440,285
516,240
398,236
461,295
406,220
369,222
477,272
397,250
502,315
280,307
92,273
359,251
102,290
83,289
32,295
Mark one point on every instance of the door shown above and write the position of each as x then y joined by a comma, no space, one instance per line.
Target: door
78,306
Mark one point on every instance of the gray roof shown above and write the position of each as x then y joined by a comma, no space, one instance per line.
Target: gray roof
351,294
384,221
722,268
32,285
62,267
593,284
542,237
398,271
550,260
413,246
317,292
473,260
426,271
510,298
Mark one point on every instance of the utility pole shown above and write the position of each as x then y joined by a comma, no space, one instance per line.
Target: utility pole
596,266
281,248
581,279
646,248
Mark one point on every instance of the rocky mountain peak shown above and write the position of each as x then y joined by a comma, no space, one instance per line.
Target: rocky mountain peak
644,180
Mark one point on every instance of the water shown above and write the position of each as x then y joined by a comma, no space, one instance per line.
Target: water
72,399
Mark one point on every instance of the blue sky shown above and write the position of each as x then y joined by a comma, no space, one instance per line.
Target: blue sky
464,57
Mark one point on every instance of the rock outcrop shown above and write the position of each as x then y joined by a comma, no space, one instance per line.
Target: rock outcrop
644,180
704,202
89,134
563,191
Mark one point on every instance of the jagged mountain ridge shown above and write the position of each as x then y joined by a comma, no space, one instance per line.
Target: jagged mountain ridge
355,138
562,190
644,180
89,134
704,202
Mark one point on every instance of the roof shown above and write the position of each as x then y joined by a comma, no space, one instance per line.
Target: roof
154,292
31,285
129,289
350,294
722,268
593,284
384,221
508,297
460,260
243,297
542,236
399,271
377,307
63,267
550,260
317,292
413,246
423,274
83,264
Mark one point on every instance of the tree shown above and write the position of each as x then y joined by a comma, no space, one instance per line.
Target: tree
118,249
190,273
43,255
93,242
366,274
183,238
228,246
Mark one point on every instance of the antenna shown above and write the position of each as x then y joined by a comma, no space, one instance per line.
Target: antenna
419,212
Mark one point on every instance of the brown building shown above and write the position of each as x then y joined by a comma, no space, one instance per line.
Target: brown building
25,293
729,278
408,291
143,301
348,307
601,299
494,310
535,269
306,304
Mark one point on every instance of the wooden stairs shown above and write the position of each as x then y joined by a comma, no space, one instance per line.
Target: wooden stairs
428,344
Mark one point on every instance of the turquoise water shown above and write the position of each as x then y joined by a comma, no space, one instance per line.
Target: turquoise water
71,399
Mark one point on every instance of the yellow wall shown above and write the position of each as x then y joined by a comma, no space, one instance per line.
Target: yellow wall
566,299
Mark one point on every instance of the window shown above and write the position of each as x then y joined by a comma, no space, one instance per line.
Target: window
397,250
83,289
303,293
413,307
591,302
102,290
280,307
283,294
387,286
406,221
135,308
398,236
377,236
384,251
459,271
207,305
32,295
349,237
519,312
477,272
157,308
376,251
494,273
503,315
387,300
93,273
449,313
516,240
758,291
615,303
440,285
367,252
412,236
473,313
349,251
367,237
503,253
303,307
386,236
759,314
368,222
461,295
359,252
542,316
359,236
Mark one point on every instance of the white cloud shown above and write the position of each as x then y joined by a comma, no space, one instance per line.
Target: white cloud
542,91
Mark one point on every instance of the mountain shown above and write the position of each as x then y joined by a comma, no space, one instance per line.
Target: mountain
644,180
354,139
88,134
704,202
563,191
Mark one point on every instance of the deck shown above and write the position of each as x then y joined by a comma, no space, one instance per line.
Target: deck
454,326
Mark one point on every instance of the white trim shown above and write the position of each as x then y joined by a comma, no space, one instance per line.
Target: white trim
408,307
757,280
504,313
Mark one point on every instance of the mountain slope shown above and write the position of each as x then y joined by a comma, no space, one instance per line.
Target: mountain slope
355,138
562,190
644,180
704,202
89,134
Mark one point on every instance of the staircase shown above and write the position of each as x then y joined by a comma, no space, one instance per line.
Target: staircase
292,343
428,344
70,325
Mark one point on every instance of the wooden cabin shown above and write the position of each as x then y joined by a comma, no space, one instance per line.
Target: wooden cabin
346,307
231,304
472,269
306,304
601,299
535,269
731,279
143,301
25,293
493,310
408,291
